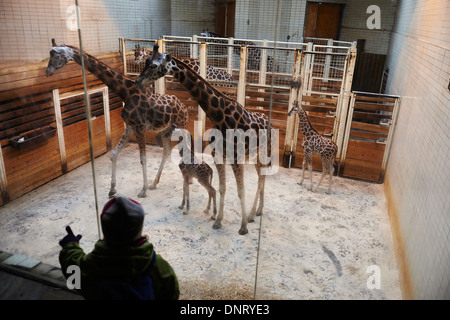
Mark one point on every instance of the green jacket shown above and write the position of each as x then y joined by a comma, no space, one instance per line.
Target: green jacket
105,262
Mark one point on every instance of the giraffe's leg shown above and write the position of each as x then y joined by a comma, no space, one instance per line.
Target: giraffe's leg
308,158
331,175
140,137
186,195
259,195
324,172
303,170
166,153
211,195
238,171
114,154
222,188
262,181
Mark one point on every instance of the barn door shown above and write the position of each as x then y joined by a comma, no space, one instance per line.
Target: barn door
323,20
225,12
370,124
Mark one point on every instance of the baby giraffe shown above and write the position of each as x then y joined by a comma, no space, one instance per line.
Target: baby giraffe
313,142
191,168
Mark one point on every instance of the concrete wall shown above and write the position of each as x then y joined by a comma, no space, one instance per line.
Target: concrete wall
418,174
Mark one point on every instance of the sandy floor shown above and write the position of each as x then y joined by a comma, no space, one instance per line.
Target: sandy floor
311,245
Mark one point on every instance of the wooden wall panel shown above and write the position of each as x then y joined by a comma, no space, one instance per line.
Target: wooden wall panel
26,104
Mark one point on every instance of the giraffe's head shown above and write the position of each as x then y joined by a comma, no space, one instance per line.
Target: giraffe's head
157,66
59,56
295,108
140,54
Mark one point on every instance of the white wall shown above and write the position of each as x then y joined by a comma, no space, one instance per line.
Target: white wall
418,174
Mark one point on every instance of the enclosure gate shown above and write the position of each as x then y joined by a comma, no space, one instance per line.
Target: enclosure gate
368,135
323,68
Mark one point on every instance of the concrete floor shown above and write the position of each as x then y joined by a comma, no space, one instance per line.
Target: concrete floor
308,245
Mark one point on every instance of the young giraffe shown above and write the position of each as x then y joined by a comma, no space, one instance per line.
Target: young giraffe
192,168
224,113
213,74
143,109
313,142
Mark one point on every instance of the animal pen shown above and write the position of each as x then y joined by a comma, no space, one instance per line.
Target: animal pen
46,140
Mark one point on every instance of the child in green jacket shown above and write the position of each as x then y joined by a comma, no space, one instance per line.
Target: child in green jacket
123,265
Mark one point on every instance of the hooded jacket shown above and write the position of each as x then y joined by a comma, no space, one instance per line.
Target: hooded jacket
119,262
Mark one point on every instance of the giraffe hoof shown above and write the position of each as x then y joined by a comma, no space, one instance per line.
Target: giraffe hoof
213,218
181,207
112,193
206,211
152,187
185,213
243,231
217,225
142,194
250,220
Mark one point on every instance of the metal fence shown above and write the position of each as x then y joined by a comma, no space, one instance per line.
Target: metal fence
325,72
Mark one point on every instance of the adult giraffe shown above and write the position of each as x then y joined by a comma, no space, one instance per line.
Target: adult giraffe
143,109
224,113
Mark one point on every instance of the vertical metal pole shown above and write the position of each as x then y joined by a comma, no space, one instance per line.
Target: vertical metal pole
387,149
263,68
3,180
293,96
160,84
60,130
242,76
230,56
201,113
342,108
88,118
124,56
107,118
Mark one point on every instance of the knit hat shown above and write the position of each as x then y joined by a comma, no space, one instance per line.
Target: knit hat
122,221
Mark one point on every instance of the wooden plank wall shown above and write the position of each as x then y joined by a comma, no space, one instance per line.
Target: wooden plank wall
26,104
367,138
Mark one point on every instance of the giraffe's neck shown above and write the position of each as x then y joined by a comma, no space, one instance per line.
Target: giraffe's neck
307,129
115,81
209,98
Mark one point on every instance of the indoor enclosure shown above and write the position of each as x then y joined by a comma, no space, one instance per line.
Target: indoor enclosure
82,120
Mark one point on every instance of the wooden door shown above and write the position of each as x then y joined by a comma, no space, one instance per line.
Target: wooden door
323,20
225,12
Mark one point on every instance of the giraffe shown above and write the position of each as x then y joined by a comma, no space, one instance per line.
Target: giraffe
224,113
213,74
143,110
191,167
313,142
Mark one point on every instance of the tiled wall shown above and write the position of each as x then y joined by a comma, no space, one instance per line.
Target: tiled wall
418,174
27,26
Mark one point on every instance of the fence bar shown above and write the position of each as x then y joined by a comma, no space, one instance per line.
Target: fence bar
60,130
201,113
160,84
3,180
242,76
